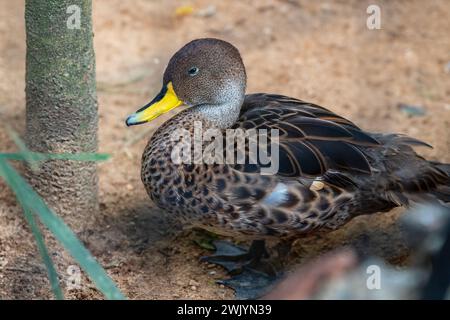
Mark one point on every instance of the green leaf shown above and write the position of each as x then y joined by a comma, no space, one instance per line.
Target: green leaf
204,239
29,199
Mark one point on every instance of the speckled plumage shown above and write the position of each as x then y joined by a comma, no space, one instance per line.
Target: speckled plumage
330,170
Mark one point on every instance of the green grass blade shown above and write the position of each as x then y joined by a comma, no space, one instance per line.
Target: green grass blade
27,154
52,274
30,199
36,156
33,158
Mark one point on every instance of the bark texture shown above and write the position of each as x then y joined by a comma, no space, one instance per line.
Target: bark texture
61,104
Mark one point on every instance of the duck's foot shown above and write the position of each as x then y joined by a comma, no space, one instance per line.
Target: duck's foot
250,284
234,258
253,276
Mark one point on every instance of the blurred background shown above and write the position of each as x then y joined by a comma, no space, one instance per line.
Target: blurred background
395,79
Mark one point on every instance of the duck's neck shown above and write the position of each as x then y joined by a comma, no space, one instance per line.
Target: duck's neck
225,112
222,116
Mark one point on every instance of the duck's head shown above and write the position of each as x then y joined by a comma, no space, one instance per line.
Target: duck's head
206,74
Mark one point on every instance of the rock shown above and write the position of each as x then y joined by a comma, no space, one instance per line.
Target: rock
207,12
179,284
447,67
193,283
412,110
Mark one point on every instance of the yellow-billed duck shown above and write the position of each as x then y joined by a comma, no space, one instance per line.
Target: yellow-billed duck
330,171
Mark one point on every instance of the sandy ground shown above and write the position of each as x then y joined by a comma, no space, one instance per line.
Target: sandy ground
317,51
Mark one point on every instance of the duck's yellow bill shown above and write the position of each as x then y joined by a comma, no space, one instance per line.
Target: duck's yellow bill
165,101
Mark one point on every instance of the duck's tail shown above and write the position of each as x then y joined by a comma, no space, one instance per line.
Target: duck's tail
411,177
442,192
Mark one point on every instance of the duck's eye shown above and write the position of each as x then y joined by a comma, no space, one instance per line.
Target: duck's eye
193,71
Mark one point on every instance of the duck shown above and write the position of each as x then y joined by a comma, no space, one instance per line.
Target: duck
329,171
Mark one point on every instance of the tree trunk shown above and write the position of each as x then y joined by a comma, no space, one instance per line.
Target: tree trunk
61,103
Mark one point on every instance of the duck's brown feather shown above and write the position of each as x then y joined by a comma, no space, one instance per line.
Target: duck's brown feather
312,139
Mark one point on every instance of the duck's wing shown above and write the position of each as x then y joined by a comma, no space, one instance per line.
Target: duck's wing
311,140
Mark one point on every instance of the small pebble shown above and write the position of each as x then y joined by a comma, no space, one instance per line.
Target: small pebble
207,12
447,67
412,110
179,284
193,283
267,31
326,7
193,288
212,273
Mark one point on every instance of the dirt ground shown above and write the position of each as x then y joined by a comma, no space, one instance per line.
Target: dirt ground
313,50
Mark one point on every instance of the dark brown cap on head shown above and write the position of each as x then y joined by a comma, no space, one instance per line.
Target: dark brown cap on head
205,70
